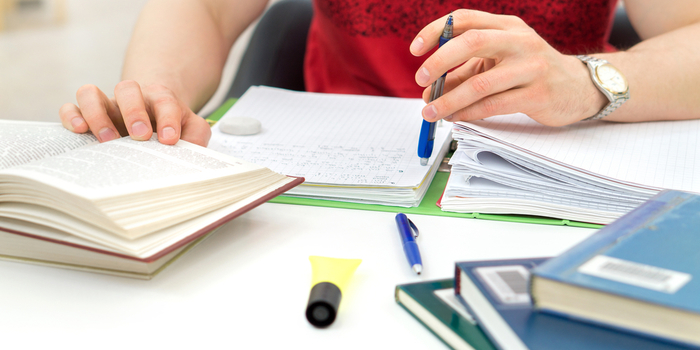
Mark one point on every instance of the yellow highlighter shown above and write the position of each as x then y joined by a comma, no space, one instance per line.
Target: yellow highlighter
330,277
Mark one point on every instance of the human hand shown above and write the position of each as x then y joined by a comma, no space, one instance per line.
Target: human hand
134,111
502,66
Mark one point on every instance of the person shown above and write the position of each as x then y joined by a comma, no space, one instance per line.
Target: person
506,57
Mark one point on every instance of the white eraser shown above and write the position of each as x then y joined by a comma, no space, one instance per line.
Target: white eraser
240,126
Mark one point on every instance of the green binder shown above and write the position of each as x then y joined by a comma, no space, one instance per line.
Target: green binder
427,206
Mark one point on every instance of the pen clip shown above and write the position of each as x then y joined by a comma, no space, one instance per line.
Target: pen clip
414,229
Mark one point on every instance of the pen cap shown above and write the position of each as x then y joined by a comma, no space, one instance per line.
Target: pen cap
324,300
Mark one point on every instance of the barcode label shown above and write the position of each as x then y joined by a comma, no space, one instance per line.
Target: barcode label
508,284
636,274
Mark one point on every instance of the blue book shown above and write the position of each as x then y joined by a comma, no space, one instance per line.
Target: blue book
639,274
496,294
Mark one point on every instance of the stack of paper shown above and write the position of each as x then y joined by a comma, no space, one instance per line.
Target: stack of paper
351,148
590,171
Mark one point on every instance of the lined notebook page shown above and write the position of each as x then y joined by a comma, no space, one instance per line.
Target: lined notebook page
660,154
332,139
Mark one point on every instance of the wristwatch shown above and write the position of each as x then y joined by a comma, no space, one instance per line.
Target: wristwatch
609,81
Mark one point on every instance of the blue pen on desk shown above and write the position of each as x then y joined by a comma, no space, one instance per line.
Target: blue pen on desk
427,130
408,239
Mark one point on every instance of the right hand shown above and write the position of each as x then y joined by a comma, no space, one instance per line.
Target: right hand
136,112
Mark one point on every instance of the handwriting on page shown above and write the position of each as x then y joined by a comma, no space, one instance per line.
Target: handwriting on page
331,139
328,163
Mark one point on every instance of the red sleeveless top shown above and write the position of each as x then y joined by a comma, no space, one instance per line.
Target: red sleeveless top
361,46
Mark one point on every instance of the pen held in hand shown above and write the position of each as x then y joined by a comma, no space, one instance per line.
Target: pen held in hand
427,131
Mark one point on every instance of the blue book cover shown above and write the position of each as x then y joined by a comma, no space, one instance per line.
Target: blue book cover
495,292
648,262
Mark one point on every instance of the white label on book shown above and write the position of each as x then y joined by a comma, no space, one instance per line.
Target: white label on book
636,274
507,283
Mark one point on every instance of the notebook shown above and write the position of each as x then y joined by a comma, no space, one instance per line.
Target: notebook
428,205
352,148
590,171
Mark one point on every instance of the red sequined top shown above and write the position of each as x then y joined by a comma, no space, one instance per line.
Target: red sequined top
361,46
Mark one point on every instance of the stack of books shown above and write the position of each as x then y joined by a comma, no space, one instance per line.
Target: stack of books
632,285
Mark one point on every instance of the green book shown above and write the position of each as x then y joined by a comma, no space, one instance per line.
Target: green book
433,303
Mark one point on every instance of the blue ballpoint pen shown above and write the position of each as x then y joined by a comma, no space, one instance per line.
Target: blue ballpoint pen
408,239
427,130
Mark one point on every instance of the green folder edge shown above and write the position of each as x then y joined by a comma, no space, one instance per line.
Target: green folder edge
427,207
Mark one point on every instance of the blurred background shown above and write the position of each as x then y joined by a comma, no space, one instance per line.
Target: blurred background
49,48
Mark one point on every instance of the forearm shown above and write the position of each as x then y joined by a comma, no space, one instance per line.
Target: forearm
664,77
183,45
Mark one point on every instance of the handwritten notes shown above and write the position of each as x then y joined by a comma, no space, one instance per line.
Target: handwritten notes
330,139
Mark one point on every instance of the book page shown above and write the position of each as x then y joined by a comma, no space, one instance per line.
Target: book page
332,139
26,218
23,142
663,154
124,166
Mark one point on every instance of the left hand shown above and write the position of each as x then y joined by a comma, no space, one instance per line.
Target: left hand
502,66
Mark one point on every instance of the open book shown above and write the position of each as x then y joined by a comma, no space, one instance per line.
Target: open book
592,171
133,200
351,148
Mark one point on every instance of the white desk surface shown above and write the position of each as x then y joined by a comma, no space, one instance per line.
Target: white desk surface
247,286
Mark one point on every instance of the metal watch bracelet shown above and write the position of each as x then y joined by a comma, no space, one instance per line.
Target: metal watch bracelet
615,100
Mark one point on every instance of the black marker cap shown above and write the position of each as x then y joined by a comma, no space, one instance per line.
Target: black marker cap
324,300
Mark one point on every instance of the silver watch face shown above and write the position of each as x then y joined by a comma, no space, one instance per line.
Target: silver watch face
611,79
